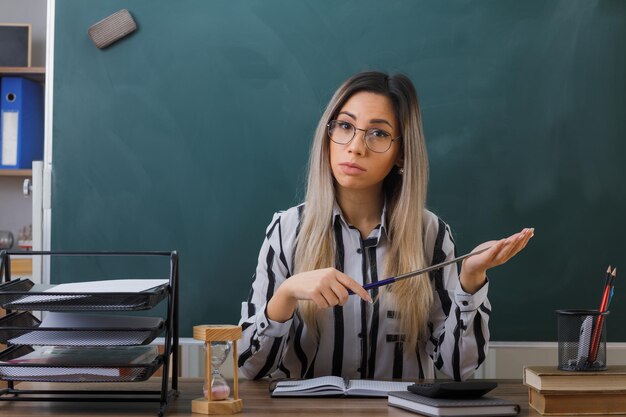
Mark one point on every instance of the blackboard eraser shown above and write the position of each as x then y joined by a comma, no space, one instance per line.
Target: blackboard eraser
112,28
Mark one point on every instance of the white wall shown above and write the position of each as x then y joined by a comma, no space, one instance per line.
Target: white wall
505,360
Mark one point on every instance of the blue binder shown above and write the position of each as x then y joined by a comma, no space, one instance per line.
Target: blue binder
21,123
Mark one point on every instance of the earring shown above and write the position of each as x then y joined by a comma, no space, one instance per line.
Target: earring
401,171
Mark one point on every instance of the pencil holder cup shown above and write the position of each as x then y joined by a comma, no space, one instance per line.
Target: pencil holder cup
582,340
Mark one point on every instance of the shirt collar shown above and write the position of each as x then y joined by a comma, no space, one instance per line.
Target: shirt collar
376,233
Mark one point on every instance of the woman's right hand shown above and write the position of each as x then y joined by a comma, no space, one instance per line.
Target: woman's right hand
325,287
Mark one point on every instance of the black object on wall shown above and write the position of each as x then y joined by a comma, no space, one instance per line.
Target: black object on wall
15,45
192,132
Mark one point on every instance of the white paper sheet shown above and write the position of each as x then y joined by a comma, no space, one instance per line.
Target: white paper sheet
89,338
112,286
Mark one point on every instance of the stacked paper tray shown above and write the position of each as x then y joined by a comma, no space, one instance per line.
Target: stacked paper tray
67,364
75,329
111,295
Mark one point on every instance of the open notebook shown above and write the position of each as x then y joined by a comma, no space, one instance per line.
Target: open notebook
336,386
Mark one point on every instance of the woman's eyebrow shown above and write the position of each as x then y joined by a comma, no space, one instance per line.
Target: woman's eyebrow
348,114
371,121
381,121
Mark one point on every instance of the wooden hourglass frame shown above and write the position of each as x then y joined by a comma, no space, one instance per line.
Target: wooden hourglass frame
209,404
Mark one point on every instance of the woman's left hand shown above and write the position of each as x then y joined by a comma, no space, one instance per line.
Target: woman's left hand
474,269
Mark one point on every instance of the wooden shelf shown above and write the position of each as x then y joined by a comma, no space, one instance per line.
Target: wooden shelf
22,266
16,172
33,73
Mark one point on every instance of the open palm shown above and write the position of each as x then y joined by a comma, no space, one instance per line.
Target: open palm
499,253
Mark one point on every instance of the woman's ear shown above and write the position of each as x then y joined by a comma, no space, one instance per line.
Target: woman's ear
400,161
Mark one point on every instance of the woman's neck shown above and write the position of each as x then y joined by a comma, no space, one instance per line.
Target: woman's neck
361,208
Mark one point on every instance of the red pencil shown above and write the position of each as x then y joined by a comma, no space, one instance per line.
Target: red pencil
597,332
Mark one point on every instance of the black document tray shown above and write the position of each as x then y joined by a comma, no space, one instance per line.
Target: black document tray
75,329
22,294
92,372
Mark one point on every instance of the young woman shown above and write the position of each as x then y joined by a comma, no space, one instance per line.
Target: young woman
363,220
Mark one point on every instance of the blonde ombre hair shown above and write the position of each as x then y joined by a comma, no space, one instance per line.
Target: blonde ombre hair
405,195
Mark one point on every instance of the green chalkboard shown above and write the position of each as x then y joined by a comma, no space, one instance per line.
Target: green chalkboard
189,133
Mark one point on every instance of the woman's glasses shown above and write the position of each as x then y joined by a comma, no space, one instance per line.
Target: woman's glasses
376,140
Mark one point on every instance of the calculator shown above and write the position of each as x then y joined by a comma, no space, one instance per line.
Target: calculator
453,389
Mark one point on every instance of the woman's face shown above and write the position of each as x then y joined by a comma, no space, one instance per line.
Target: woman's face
354,165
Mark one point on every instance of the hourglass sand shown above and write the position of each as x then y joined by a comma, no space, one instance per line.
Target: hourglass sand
219,388
219,342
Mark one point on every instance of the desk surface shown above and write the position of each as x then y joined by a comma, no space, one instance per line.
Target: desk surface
257,402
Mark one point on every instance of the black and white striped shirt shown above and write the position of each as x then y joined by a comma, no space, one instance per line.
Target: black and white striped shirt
359,339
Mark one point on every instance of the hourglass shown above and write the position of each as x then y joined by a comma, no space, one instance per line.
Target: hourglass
219,388
219,342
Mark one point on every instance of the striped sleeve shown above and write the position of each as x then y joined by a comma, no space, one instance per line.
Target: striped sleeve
458,323
263,339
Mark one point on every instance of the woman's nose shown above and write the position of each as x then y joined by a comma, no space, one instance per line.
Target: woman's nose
357,145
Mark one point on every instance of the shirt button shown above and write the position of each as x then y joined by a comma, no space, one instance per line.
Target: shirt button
465,303
262,325
359,250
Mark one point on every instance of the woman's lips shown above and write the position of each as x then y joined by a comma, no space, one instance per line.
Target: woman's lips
351,169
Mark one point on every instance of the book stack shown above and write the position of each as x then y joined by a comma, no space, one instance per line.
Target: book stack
555,392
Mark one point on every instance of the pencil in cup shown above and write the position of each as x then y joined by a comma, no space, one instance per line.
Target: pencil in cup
597,332
575,331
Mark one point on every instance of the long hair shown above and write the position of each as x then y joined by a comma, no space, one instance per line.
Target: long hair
405,195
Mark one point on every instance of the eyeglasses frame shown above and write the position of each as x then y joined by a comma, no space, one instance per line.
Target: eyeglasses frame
354,135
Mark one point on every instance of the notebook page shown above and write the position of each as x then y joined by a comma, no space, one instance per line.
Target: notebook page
314,384
376,388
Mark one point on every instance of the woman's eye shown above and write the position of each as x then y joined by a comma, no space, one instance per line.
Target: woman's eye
379,133
344,125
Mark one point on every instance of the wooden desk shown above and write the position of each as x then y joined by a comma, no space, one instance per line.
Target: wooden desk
257,402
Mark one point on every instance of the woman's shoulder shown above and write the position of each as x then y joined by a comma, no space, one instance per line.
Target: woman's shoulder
433,226
288,220
292,215
431,222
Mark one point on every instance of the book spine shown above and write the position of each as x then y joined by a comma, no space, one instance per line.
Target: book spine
577,402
